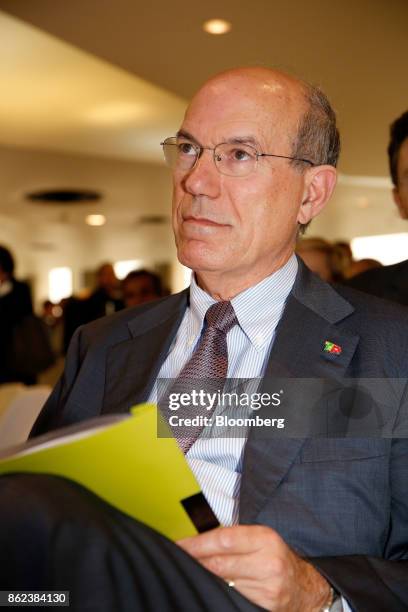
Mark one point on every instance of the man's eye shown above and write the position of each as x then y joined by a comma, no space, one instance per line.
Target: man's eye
186,148
240,155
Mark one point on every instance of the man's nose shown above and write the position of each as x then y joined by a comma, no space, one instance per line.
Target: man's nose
203,178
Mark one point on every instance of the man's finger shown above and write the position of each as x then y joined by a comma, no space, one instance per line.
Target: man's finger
230,540
230,567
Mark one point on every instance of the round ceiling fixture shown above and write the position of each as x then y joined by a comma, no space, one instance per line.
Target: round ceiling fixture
217,26
63,196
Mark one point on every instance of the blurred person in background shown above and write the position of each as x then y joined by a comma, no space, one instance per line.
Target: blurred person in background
342,258
333,262
317,254
15,305
358,266
106,297
52,317
391,282
47,313
141,286
72,316
345,266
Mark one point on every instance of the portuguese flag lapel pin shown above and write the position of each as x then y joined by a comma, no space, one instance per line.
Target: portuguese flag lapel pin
331,347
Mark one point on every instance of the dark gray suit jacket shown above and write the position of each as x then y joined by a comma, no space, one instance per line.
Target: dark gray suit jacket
341,502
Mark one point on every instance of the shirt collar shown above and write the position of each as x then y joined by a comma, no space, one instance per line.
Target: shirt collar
258,308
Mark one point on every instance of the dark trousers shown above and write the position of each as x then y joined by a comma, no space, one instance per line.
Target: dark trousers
55,535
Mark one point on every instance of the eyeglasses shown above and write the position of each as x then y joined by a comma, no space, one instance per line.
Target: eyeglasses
231,159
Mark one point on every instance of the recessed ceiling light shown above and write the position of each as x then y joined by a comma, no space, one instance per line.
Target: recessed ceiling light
95,220
217,26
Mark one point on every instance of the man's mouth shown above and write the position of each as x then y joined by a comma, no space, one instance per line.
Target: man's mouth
202,221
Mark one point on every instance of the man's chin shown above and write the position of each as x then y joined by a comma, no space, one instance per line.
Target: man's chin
198,261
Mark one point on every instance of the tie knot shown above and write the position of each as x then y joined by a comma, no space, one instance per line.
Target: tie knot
221,315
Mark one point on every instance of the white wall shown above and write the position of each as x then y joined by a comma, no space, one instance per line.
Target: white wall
43,237
46,236
360,206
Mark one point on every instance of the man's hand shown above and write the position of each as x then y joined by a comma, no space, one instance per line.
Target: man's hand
262,566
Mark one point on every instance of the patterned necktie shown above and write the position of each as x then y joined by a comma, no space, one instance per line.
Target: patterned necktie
207,368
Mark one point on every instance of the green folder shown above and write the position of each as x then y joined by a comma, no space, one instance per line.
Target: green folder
123,461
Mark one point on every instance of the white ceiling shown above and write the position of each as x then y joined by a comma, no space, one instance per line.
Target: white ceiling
356,49
57,97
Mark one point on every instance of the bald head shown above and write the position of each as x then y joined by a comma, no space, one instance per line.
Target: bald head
266,79
309,120
258,79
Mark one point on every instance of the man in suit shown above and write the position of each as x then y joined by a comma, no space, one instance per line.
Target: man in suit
305,520
391,282
15,305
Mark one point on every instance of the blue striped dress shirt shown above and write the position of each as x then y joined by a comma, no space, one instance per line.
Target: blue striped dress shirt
217,462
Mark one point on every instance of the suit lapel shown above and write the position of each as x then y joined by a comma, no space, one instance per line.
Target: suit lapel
312,311
132,366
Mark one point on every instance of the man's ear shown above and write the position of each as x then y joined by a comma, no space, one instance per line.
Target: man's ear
397,199
319,184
